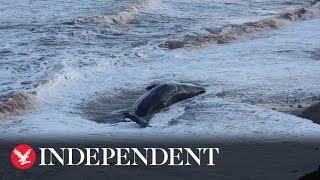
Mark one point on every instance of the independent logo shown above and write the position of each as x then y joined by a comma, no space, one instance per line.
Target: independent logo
23,156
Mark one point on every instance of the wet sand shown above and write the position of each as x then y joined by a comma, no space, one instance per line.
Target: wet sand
315,54
311,176
312,113
299,104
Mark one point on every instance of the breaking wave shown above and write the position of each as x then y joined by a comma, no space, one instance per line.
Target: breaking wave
233,32
122,17
16,103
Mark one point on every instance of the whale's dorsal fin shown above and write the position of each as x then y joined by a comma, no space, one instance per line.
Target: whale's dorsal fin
143,122
151,87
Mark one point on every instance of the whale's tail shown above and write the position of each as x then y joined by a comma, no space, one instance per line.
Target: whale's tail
143,122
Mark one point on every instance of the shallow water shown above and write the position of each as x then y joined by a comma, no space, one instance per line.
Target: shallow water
102,109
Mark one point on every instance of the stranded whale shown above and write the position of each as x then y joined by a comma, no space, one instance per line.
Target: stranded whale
158,97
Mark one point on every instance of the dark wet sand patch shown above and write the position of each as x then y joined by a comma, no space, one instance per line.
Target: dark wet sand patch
315,54
312,113
100,109
299,104
311,176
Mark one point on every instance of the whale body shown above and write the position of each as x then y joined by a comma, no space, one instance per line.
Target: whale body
158,97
